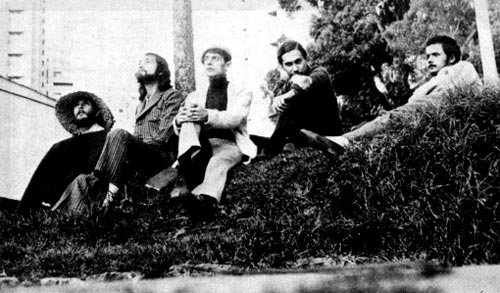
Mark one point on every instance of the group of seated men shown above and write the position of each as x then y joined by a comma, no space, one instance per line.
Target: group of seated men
204,135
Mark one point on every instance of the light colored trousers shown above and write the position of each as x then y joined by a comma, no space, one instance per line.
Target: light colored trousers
380,123
459,75
225,155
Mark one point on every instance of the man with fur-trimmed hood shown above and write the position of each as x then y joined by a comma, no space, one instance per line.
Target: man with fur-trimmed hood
87,118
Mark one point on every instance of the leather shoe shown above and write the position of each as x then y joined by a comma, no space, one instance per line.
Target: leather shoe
201,208
323,143
180,191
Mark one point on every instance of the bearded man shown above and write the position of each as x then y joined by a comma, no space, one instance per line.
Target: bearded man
87,118
153,146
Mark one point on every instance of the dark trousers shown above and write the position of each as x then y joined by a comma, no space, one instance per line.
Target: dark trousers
287,129
193,166
124,153
301,114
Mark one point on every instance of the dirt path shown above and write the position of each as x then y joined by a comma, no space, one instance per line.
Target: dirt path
413,277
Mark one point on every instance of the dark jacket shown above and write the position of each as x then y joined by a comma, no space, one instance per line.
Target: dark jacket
316,108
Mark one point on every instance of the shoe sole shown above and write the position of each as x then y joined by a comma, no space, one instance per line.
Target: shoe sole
327,145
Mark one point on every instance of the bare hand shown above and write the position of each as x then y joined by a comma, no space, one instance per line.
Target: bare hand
303,81
197,113
108,199
183,115
279,104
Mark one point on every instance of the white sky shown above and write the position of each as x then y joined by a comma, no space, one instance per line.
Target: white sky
114,5
104,40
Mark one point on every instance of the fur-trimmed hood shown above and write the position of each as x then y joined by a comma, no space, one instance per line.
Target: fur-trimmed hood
64,112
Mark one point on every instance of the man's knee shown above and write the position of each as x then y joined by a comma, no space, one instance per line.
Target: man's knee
228,158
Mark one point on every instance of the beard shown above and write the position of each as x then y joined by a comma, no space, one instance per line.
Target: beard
85,122
144,77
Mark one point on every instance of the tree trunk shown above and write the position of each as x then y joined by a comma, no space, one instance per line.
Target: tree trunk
486,43
183,47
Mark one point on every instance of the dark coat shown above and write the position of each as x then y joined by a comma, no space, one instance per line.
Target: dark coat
64,162
316,108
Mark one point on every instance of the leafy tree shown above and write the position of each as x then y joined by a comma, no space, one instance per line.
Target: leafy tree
353,38
455,18
425,18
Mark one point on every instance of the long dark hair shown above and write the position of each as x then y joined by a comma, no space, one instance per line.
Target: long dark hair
162,74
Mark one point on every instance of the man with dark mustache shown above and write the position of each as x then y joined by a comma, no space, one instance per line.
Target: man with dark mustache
446,73
305,103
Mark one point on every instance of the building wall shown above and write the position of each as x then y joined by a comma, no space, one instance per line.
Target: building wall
28,127
23,49
4,36
39,76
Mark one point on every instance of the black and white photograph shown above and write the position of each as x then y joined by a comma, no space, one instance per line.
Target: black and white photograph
249,146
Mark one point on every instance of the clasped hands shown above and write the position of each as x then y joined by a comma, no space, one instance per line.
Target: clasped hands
192,113
279,103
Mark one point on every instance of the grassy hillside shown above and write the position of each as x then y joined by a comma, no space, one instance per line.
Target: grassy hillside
429,189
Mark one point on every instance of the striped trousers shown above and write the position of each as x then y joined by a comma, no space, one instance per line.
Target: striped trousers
123,154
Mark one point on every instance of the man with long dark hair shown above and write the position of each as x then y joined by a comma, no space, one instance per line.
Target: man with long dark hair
152,147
